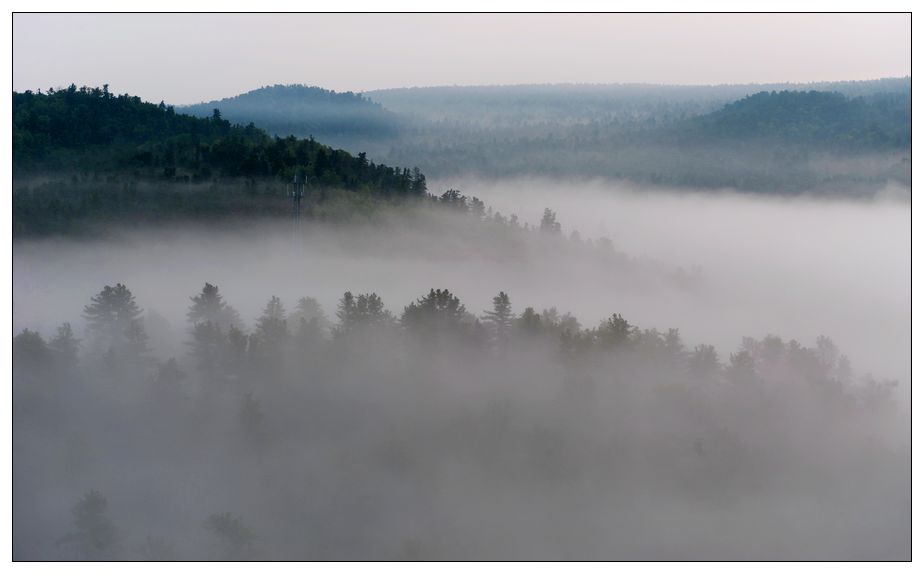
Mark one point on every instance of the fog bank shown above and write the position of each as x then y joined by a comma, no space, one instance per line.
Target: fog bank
796,267
716,266
425,434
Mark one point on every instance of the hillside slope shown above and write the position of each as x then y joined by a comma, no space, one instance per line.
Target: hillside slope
816,119
93,130
84,157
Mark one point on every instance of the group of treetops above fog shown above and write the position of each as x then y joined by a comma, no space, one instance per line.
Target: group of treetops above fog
220,347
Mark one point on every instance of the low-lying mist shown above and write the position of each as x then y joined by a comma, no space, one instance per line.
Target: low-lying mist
794,266
413,431
716,266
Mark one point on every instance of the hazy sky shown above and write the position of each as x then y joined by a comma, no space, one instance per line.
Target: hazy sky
183,58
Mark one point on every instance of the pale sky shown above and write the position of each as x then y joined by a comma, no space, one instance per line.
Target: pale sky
187,58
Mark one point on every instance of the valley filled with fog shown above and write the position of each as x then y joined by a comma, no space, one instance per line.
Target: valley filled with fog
461,287
797,267
425,427
717,266
359,294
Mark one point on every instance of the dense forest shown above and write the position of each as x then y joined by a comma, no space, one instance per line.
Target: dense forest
257,319
431,427
87,154
680,136
90,130
299,437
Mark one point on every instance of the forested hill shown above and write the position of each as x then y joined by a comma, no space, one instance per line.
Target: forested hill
492,106
785,139
829,119
92,131
306,111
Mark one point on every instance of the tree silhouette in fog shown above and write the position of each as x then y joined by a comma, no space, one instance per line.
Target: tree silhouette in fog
209,307
549,223
614,331
114,321
311,432
500,319
360,311
438,308
30,348
704,362
65,346
95,535
309,309
272,328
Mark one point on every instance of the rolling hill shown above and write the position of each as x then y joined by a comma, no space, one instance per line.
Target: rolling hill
303,111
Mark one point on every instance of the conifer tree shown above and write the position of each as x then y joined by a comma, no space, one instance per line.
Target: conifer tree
114,321
500,319
65,346
209,306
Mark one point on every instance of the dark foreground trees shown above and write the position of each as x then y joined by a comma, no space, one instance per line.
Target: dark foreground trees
219,342
352,442
93,132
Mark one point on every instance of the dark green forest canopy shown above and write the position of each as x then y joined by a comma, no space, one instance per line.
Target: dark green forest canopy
84,156
91,130
88,155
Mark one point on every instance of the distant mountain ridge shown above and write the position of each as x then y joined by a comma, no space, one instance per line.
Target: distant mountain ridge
305,111
592,102
777,138
813,118
751,137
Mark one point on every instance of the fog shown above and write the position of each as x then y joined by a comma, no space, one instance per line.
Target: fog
438,438
716,266
797,266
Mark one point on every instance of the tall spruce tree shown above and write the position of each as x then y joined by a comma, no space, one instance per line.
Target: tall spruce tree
114,321
500,319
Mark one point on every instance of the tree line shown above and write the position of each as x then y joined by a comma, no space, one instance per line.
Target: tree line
373,398
92,131
220,344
